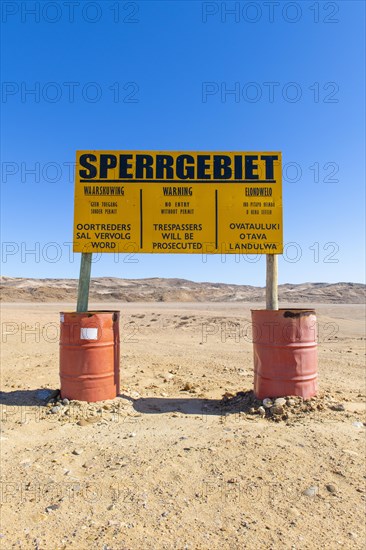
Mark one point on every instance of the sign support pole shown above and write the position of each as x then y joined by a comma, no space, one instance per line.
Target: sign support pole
272,281
84,282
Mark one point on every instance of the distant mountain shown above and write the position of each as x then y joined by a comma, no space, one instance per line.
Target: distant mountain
110,289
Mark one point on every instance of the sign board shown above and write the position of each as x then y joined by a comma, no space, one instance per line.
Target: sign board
178,202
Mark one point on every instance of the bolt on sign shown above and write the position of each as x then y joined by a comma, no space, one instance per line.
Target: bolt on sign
178,202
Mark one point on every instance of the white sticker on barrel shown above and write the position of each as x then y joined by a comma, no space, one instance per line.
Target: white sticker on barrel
88,334
62,318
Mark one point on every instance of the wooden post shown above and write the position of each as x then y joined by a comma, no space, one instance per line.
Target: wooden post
272,282
84,282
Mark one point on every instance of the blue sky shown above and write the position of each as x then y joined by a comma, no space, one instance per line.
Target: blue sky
137,76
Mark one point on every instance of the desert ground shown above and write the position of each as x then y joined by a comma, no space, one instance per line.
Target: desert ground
167,464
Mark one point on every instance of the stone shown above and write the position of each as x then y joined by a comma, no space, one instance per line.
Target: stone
280,401
52,507
277,410
55,409
331,488
357,424
261,410
245,524
83,422
267,403
337,407
311,491
294,512
65,401
77,451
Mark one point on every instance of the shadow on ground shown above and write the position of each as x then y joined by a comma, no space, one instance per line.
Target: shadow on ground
27,398
144,405
159,405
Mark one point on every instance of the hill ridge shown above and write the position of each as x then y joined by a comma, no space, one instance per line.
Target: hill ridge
158,289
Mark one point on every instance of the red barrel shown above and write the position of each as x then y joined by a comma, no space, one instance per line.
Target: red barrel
285,353
89,355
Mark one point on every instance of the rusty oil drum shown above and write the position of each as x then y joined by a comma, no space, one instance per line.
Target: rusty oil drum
285,352
89,355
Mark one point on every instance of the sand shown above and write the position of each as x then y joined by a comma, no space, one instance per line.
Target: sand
168,468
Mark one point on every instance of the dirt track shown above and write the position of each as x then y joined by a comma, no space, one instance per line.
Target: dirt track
166,468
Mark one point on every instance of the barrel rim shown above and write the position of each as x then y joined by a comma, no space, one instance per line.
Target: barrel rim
297,309
94,311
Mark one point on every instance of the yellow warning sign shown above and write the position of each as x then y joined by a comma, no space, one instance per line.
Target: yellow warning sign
178,202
